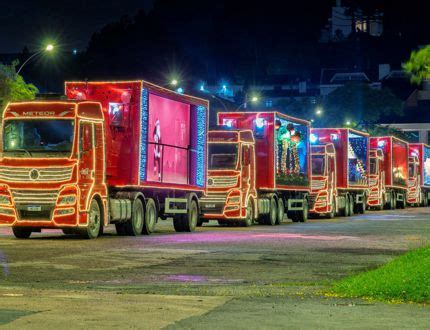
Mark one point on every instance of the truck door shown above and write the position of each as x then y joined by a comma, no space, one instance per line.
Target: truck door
86,161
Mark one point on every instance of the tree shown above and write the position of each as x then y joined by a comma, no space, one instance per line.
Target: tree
13,87
361,105
418,65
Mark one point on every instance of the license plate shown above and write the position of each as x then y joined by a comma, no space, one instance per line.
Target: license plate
210,206
34,208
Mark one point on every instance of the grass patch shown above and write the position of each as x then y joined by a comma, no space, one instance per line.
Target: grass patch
404,279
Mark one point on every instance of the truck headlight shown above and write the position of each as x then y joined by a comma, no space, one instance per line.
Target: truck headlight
67,200
4,200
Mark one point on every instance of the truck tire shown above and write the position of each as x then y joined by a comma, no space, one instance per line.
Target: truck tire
249,219
392,201
134,226
332,214
301,216
188,222
402,204
361,208
351,205
281,211
346,209
92,230
151,216
21,232
271,218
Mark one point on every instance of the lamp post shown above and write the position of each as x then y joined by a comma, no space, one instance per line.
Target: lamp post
48,48
254,99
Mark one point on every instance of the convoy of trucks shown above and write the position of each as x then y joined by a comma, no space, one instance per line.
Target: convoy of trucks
126,153
130,153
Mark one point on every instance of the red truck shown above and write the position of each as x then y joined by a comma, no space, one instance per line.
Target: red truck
388,172
124,153
340,163
419,174
258,169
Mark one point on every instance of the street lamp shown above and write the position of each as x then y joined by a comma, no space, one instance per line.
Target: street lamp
49,48
348,123
174,82
253,99
318,111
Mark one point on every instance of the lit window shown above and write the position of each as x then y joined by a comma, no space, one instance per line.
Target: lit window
269,103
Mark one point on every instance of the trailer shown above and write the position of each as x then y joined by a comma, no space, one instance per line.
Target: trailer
258,169
123,153
340,171
419,174
393,167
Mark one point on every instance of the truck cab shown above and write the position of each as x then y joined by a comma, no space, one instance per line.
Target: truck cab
52,167
231,191
323,183
376,197
414,195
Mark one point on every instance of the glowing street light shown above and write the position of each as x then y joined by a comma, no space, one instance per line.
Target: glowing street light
318,111
174,82
254,99
348,123
49,48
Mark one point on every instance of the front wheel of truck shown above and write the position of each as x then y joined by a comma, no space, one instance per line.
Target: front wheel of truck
249,219
93,228
21,232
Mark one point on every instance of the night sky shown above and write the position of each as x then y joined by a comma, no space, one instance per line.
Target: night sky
28,22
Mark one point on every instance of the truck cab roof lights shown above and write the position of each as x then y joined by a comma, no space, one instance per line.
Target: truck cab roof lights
381,143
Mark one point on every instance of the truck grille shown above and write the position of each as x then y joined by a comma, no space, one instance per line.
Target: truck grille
222,181
35,196
25,174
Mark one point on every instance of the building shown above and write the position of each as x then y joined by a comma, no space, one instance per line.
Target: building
346,20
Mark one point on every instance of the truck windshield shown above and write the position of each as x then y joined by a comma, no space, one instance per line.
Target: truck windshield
318,165
38,138
222,156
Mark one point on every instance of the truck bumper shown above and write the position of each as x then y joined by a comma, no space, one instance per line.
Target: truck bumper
214,207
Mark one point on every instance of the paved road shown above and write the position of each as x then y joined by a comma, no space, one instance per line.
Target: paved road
217,277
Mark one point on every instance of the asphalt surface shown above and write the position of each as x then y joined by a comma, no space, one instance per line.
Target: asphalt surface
218,277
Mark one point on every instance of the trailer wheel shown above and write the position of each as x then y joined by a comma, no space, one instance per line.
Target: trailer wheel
351,205
392,201
92,230
151,216
188,222
21,232
271,218
134,226
281,211
345,211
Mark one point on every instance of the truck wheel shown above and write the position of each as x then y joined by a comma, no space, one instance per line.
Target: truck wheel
393,201
304,214
345,211
351,205
92,230
150,217
134,226
362,206
402,204
281,211
271,218
21,232
332,214
187,223
249,220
